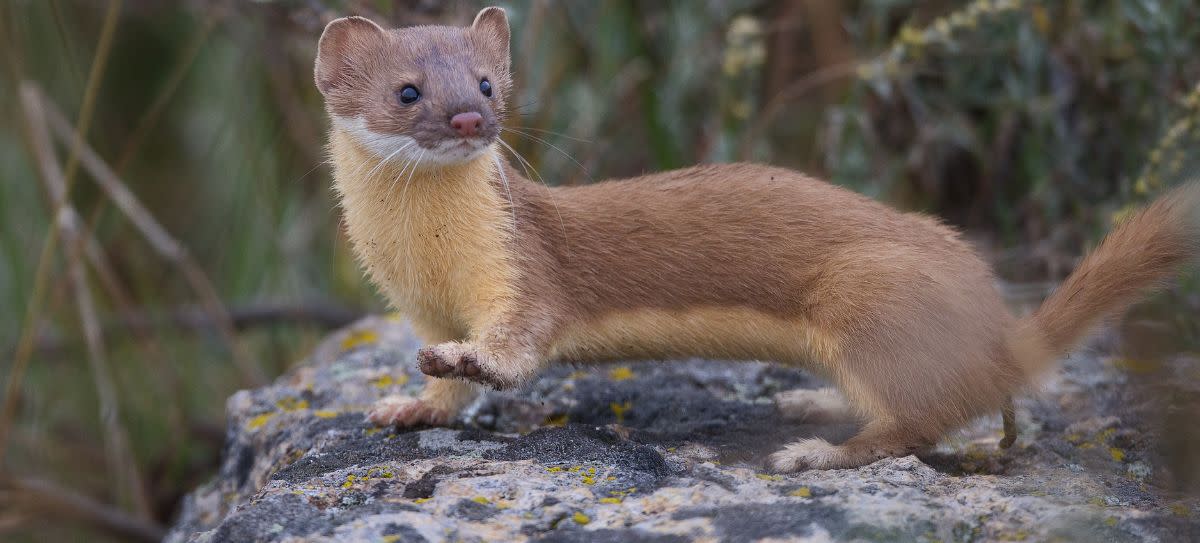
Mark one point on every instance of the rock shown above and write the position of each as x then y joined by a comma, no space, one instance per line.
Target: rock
663,452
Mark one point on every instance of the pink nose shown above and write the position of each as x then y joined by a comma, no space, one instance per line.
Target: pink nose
467,124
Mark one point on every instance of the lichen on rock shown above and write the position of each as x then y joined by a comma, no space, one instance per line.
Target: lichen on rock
658,452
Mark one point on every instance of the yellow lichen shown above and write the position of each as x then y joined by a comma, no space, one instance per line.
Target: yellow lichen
258,421
610,500
767,477
581,518
620,373
391,538
619,409
589,480
1111,521
421,500
325,414
554,469
387,380
349,481
481,499
359,338
623,493
291,403
802,492
1117,454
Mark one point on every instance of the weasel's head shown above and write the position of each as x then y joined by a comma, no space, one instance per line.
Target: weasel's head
433,94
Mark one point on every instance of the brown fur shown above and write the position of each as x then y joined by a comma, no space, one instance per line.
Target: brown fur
737,261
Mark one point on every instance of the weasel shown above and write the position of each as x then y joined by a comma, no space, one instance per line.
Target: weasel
502,276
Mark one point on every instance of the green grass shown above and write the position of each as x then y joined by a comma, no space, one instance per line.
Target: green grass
1029,126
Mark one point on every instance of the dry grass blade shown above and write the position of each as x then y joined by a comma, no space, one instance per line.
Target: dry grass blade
116,439
53,501
162,242
16,374
155,358
154,112
103,46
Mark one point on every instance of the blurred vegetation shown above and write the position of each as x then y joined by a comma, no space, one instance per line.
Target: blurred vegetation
1029,123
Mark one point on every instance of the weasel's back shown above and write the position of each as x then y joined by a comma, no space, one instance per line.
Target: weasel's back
738,235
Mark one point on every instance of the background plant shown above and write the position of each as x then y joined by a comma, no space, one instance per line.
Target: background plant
1029,123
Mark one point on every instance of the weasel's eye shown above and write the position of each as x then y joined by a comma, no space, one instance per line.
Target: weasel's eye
485,87
408,95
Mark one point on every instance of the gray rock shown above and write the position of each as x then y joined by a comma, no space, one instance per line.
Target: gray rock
663,452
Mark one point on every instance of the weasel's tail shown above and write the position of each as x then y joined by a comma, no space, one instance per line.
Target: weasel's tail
1139,255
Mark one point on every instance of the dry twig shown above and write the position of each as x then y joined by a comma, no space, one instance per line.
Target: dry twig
16,373
118,453
158,238
53,501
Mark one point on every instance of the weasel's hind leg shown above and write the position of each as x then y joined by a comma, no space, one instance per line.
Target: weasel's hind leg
877,441
817,406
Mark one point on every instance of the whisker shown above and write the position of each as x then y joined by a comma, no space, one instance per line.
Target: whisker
551,145
398,176
416,163
512,206
387,158
553,133
314,168
526,165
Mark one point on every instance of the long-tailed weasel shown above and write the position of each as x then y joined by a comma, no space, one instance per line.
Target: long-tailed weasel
502,276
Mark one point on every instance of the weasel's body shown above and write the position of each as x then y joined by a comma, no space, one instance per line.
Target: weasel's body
738,261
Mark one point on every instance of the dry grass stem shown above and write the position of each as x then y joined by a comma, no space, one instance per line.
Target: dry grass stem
158,238
118,453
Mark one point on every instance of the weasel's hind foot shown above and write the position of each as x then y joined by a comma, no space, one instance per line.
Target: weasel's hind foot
404,412
815,453
806,454
817,406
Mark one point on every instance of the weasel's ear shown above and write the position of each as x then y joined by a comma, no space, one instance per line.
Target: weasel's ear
492,24
342,40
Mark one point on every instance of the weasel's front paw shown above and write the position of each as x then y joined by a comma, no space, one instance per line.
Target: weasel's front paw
449,360
404,412
459,361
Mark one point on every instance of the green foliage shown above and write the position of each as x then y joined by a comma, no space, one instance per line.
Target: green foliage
1012,118
1005,114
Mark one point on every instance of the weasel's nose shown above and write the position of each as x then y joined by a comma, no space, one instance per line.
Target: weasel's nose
467,124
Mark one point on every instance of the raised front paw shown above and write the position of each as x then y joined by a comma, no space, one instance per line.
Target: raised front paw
461,361
449,360
404,412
